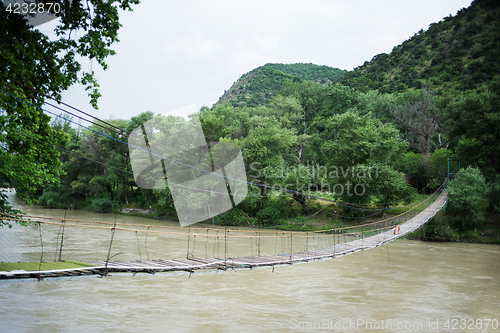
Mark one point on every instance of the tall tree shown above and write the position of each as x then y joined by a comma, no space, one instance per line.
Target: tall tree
417,112
475,117
361,154
354,139
468,197
32,66
263,150
318,102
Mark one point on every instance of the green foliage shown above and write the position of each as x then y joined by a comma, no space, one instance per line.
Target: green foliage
300,179
25,161
28,158
232,217
494,194
439,163
252,203
468,197
56,197
439,167
439,230
354,139
460,52
475,118
361,154
317,102
52,71
269,216
51,199
8,209
310,72
380,105
285,119
102,205
416,112
217,122
260,85
265,145
164,205
415,167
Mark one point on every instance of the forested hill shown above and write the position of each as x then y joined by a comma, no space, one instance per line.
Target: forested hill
459,52
263,83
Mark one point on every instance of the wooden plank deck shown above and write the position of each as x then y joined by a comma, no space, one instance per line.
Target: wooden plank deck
194,263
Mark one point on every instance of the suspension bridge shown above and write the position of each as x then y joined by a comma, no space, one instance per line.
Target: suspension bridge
137,248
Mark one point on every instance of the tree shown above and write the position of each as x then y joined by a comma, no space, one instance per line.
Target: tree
414,166
354,139
263,150
216,122
32,67
361,153
468,197
439,164
287,111
28,158
494,194
416,111
476,118
300,180
318,102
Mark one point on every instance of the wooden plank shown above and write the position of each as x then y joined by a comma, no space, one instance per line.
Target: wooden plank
206,260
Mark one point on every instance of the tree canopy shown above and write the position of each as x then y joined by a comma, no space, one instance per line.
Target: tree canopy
33,69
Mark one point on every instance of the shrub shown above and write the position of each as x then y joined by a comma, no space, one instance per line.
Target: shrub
51,199
269,216
467,197
102,205
232,217
439,230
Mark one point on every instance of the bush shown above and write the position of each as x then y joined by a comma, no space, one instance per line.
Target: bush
51,199
470,236
232,217
102,205
269,216
415,167
439,230
468,197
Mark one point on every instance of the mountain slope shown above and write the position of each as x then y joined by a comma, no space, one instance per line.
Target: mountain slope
460,52
263,83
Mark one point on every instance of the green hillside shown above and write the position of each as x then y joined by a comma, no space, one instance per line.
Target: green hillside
263,83
459,52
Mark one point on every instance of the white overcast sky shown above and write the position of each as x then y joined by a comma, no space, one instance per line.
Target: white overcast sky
174,54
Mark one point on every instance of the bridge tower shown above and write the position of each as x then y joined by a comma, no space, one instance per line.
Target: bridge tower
453,166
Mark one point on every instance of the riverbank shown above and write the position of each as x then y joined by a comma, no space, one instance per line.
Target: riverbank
322,215
442,228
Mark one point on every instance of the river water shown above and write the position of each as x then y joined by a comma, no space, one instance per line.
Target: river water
406,286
